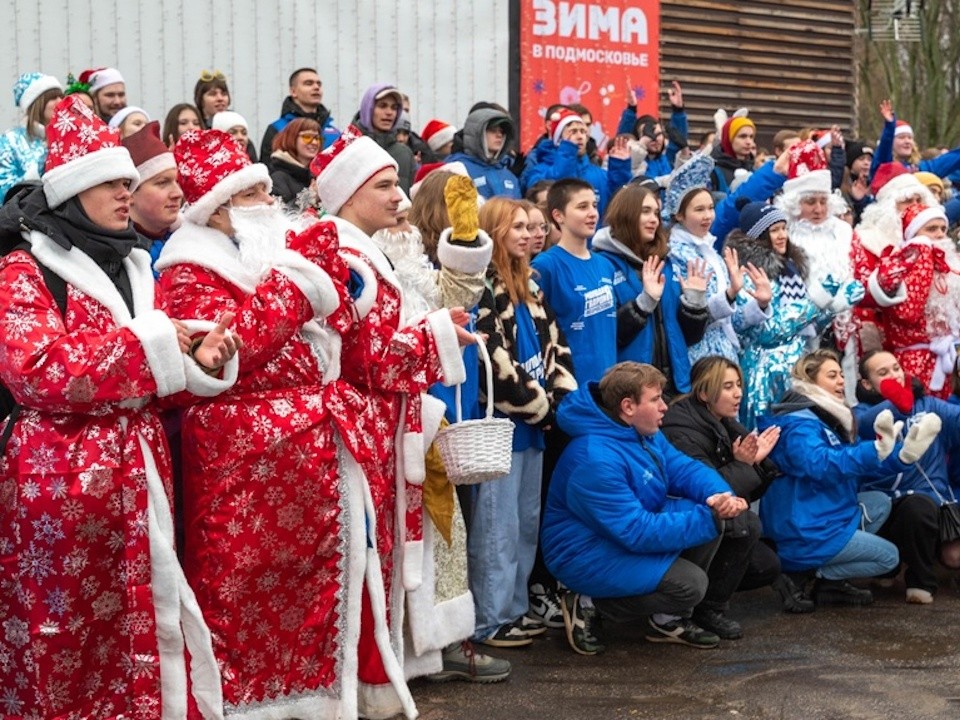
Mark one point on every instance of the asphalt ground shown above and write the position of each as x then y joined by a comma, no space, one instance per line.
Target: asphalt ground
886,661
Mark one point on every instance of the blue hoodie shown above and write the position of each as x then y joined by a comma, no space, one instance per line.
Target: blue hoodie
609,527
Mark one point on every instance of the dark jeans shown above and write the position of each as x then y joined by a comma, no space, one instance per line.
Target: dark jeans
556,441
913,528
763,567
683,586
730,564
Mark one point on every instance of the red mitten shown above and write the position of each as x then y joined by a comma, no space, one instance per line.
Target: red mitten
320,244
900,395
893,266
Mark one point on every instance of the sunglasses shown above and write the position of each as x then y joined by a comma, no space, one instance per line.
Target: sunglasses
207,76
309,138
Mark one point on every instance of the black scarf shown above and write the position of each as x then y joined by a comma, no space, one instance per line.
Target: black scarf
107,248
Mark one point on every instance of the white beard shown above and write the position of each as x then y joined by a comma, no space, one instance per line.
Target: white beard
880,227
260,233
943,309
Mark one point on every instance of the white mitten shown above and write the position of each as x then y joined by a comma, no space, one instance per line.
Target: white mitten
887,432
920,437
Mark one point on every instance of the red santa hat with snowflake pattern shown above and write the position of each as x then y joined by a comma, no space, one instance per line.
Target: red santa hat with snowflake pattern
345,166
917,215
82,152
807,172
211,169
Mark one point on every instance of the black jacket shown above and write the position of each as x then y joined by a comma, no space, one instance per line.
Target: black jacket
289,177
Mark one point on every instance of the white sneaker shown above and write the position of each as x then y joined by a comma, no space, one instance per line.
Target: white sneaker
545,606
919,596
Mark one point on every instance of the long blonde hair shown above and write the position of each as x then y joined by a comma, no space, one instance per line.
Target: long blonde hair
496,218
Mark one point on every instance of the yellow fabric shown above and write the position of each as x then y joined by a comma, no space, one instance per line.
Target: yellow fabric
928,179
737,124
460,196
438,493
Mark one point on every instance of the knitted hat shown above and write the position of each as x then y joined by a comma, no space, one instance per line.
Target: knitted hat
30,86
559,120
345,166
403,123
891,181
99,78
148,151
929,180
902,128
211,169
125,112
855,149
757,217
916,216
227,119
692,175
807,172
82,153
729,131
437,133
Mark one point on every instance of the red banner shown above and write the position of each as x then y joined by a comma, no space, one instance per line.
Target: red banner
589,53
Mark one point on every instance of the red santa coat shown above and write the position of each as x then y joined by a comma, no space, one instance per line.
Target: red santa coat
95,609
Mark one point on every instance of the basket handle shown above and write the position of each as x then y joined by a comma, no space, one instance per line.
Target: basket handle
488,368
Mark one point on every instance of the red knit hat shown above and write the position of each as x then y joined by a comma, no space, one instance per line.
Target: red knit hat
82,152
211,169
149,153
917,215
559,120
437,133
807,172
345,166
884,174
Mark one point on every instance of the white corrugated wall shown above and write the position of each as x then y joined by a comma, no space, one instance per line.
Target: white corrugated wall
444,55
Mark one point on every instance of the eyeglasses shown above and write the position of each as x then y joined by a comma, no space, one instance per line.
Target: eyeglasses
542,227
207,76
309,138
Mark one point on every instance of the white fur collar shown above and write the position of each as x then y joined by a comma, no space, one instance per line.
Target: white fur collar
826,401
194,244
79,270
353,237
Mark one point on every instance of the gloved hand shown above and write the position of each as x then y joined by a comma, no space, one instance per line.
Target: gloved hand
900,395
460,196
887,432
830,284
920,437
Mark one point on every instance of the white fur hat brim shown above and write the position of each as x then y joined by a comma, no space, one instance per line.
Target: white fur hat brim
923,217
65,181
201,210
815,181
900,188
156,165
441,137
37,88
356,163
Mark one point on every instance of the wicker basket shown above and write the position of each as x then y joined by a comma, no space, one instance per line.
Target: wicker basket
477,450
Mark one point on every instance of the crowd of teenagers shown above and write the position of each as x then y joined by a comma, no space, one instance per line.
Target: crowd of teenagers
220,490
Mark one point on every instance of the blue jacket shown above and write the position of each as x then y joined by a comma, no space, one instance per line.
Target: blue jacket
21,157
490,178
811,511
934,460
943,166
609,527
663,163
565,162
761,185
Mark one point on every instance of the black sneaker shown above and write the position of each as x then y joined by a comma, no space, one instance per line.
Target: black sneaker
717,623
682,631
794,601
545,606
462,661
840,592
508,636
582,625
531,626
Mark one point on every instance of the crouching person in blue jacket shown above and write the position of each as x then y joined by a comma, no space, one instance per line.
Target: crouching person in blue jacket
631,524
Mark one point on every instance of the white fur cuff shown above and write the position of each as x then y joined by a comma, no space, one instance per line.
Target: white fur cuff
753,315
719,307
158,337
821,298
448,347
414,463
432,412
467,259
312,280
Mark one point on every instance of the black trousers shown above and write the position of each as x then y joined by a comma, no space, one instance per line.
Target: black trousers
913,527
683,586
556,441
737,545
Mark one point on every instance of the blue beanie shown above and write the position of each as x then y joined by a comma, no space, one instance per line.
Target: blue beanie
757,217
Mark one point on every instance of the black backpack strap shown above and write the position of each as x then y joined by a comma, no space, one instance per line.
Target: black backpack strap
55,284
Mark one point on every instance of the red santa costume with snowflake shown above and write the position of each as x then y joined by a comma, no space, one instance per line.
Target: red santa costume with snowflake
922,330
880,228
827,245
97,615
392,357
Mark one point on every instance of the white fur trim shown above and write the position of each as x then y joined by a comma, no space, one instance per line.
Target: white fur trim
156,165
104,77
414,465
818,181
557,135
467,259
200,211
379,702
308,705
448,347
753,315
413,564
205,247
158,337
903,129
312,280
719,307
432,411
441,137
923,217
352,237
105,165
349,170
48,82
123,113
821,298
899,188
327,346
226,120
880,297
